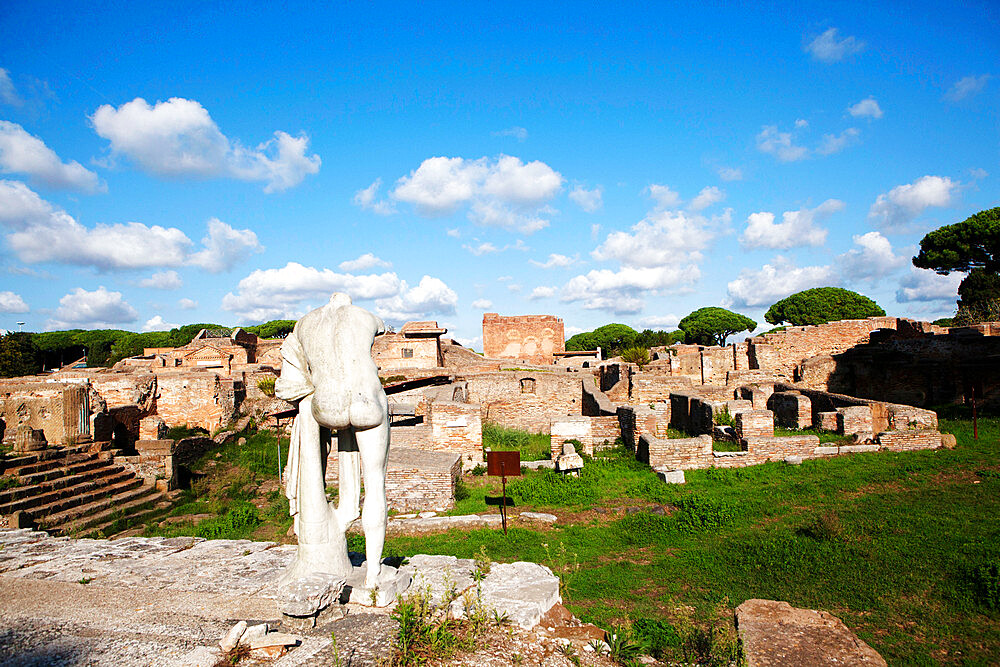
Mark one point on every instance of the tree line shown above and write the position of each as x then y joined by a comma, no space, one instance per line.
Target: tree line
27,353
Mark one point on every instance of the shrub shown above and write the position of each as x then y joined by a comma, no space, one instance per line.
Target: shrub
237,523
655,636
551,488
266,385
985,580
461,490
723,418
636,355
698,512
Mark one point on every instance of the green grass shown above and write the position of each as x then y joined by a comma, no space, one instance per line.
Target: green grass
824,436
533,446
904,547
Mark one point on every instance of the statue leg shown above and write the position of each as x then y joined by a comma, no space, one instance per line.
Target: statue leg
374,446
349,500
322,545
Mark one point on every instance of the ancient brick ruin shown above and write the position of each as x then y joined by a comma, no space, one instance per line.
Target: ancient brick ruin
868,379
533,339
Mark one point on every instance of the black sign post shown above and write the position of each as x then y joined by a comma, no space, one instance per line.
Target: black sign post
503,464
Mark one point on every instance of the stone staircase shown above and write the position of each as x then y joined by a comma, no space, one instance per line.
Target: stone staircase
75,490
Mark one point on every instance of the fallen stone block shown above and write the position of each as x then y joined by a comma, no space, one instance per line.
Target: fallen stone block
253,633
232,638
523,591
826,451
391,582
948,441
776,633
671,476
438,574
854,449
793,460
539,516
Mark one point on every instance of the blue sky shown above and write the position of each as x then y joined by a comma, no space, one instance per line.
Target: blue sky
167,163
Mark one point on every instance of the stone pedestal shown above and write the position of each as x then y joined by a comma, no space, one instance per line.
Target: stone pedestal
29,439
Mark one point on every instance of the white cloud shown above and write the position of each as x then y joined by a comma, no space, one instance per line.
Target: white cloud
978,173
8,93
486,248
179,138
39,232
663,237
834,143
364,262
925,285
775,281
23,153
796,229
156,323
595,230
801,123
505,192
430,297
268,294
476,342
556,260
187,304
829,48
619,291
967,86
482,304
588,200
518,133
780,144
542,293
897,208
872,259
163,280
12,303
367,198
708,196
730,173
454,233
663,196
99,309
224,247
670,321
866,108
514,287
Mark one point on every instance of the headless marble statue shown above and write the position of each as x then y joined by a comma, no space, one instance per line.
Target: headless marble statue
328,370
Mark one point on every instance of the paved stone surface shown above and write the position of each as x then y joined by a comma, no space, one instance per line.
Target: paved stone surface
166,601
776,633
420,525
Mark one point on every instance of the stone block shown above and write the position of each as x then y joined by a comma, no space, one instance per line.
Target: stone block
854,419
755,424
827,421
152,428
793,460
826,451
28,439
671,476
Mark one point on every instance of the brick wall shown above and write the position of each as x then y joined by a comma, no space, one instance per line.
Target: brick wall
782,351
457,428
648,387
592,432
910,439
677,454
197,399
388,351
754,424
37,405
761,449
154,462
507,399
595,402
856,419
532,338
415,480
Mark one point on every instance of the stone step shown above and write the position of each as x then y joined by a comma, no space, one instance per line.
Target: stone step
69,467
42,455
137,512
109,497
27,465
69,504
39,490
103,511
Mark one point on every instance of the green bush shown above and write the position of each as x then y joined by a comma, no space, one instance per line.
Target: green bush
236,524
551,488
655,636
985,580
636,355
461,490
266,385
532,446
699,512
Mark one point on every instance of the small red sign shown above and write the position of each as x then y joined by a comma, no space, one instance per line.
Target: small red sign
507,464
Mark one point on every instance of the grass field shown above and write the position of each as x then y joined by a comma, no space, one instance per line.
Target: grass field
905,548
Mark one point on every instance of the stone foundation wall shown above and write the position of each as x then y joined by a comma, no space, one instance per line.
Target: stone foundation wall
591,432
61,410
677,453
457,428
754,424
197,399
908,440
524,399
857,419
647,387
416,480
154,463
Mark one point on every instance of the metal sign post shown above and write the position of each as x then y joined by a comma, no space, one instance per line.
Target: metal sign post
502,464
